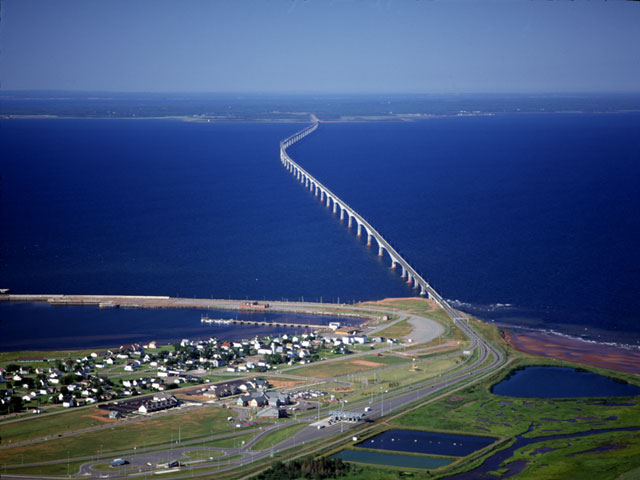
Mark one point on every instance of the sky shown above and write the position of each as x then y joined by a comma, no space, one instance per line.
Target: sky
320,46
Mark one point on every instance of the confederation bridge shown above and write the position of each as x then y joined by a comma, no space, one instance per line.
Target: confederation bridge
364,227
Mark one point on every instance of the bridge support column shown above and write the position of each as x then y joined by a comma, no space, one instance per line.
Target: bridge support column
380,251
409,278
422,290
322,195
393,264
404,273
350,222
328,201
368,239
359,229
335,207
341,213
317,188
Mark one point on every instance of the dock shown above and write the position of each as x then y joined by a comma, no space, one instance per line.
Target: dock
222,321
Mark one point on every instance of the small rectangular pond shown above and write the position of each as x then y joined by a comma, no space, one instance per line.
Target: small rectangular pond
392,459
429,443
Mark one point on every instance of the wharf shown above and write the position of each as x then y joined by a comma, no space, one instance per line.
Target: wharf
147,301
262,323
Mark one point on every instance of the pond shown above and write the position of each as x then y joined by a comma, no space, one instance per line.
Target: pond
418,441
561,382
392,460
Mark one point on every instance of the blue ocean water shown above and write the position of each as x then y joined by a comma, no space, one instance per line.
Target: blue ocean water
523,218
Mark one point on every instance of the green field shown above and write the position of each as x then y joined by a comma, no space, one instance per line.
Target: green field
348,366
50,425
273,438
158,430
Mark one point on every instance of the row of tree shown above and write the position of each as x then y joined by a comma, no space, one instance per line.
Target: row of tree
317,469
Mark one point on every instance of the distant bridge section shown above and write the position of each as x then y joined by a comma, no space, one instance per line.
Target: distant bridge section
333,201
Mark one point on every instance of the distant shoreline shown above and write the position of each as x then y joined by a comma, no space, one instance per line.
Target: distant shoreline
401,118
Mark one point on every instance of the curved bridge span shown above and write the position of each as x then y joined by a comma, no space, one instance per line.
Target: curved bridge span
364,227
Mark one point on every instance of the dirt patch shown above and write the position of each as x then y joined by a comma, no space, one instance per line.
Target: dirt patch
366,363
285,383
562,348
102,418
456,399
402,301
342,389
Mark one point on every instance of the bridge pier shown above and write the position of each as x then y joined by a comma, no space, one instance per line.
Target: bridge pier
409,278
350,222
328,201
311,186
322,195
335,207
368,239
341,213
359,229
422,290
404,272
317,188
380,250
393,264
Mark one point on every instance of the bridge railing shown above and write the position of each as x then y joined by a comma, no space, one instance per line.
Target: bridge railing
287,142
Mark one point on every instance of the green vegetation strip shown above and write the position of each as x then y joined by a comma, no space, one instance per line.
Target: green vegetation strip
273,438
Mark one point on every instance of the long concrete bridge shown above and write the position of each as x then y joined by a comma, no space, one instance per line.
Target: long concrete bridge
364,228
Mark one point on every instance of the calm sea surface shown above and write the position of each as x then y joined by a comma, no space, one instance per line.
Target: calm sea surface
530,220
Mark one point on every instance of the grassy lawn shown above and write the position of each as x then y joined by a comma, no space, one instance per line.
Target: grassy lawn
161,429
348,366
49,425
55,469
273,438
231,442
402,376
203,454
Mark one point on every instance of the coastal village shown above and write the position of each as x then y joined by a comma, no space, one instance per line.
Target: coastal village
153,371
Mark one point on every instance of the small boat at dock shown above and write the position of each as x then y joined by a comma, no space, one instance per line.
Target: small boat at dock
216,321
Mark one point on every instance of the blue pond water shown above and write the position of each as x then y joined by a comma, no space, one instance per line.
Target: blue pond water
27,326
529,219
560,382
394,460
433,443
